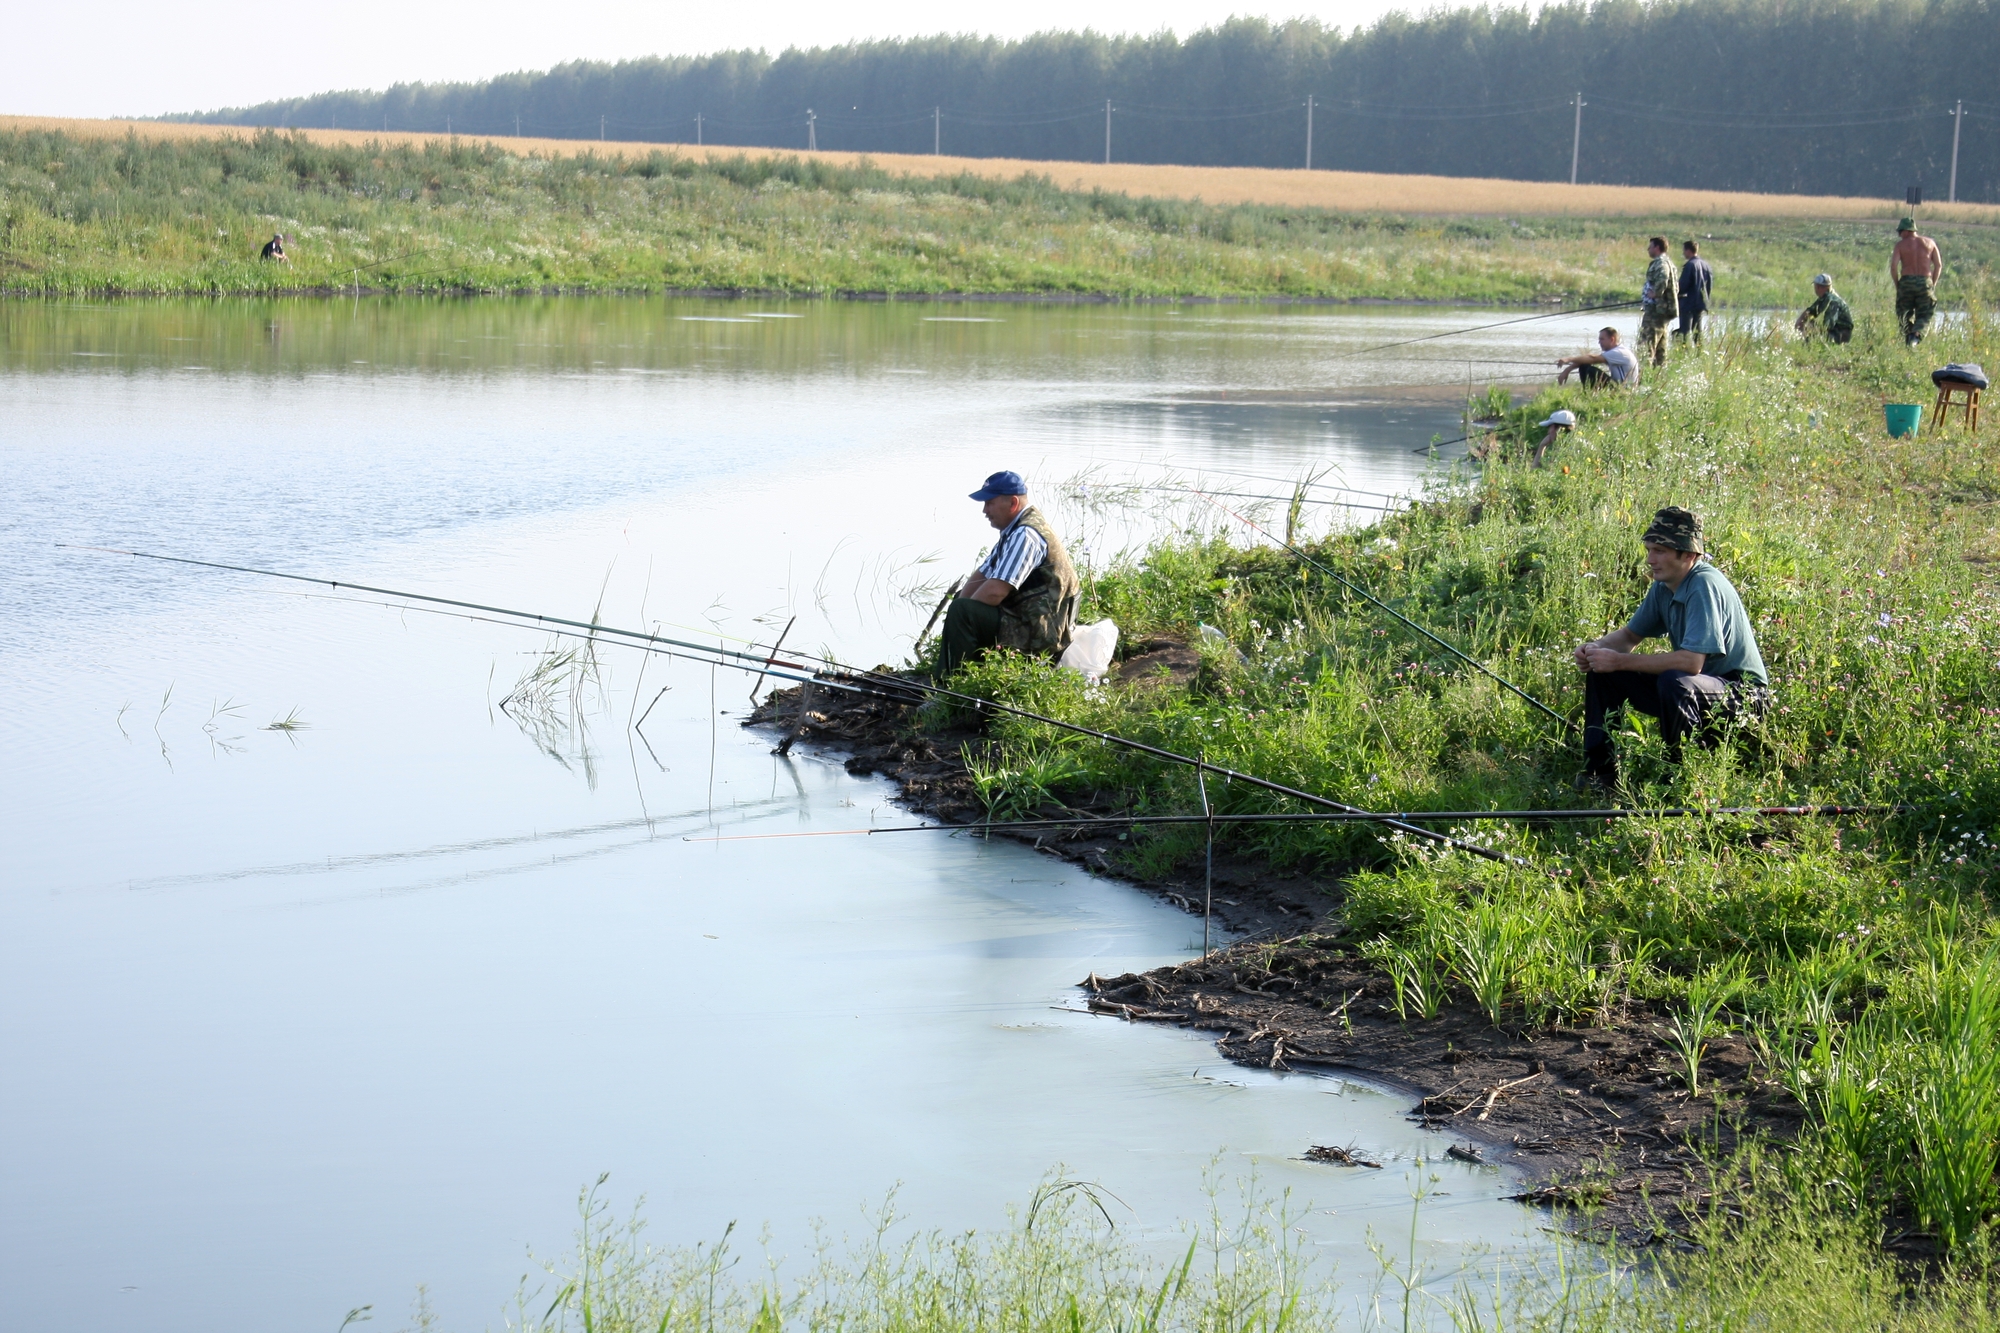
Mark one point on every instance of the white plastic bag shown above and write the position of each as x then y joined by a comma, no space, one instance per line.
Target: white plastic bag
1090,649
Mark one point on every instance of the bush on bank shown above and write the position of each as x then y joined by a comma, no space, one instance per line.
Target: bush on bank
1861,956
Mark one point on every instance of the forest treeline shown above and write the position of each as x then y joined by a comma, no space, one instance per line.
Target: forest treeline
1822,97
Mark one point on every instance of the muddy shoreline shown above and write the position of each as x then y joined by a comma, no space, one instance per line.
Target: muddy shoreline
1597,1119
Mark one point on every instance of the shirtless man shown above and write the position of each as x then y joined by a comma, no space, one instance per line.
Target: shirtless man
1914,266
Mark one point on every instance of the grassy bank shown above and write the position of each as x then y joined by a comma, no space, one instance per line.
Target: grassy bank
84,214
1862,958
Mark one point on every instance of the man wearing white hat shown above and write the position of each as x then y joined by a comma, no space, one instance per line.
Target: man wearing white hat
1558,422
1835,320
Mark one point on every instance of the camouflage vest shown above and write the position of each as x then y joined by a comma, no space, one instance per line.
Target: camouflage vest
1037,616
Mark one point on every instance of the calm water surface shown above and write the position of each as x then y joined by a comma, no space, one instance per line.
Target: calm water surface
297,1021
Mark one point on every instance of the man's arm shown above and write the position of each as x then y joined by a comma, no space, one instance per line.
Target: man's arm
1896,264
1937,260
992,592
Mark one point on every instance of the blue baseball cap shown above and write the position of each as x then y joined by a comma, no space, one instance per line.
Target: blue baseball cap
1001,483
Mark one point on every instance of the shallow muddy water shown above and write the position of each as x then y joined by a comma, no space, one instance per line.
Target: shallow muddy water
295,1021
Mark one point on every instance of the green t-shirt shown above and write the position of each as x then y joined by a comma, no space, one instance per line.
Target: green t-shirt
1704,615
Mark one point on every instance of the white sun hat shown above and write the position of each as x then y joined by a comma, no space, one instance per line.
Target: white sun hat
1560,417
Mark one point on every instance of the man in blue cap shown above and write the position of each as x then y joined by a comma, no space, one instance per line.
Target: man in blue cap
1023,595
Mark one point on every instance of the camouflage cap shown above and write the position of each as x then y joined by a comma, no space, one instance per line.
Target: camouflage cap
1907,224
1675,528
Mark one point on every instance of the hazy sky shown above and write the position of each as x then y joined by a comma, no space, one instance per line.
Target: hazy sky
128,57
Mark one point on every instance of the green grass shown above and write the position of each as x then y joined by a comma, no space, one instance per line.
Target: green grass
83,215
1862,957
1784,1254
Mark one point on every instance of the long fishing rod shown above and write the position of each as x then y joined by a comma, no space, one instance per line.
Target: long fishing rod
899,689
1338,817
1448,646
1479,328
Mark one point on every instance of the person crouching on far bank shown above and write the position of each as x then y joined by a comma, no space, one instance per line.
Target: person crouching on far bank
1560,423
1711,670
1023,595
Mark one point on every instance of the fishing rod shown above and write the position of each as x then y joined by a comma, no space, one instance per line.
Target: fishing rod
1479,328
1449,647
899,689
1338,817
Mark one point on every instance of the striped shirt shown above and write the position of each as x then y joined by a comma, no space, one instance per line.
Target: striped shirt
1017,553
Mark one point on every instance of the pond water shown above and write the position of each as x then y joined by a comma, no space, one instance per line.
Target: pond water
297,1020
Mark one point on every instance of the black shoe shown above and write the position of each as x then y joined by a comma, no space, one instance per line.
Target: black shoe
1600,770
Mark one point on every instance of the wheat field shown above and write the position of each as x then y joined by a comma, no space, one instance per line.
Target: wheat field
1343,191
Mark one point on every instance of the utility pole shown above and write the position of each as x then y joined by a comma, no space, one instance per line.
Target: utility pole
937,130
517,127
1107,131
697,129
600,129
1309,131
812,132
1576,139
1957,124
447,124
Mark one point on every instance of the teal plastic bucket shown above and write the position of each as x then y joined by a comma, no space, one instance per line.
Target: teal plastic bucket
1902,418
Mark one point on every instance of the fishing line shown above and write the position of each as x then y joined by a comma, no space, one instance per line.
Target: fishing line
1340,817
1252,495
1377,601
1199,470
1477,328
900,690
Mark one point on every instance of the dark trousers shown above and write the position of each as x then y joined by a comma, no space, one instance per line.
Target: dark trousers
1686,704
969,628
1595,377
1690,325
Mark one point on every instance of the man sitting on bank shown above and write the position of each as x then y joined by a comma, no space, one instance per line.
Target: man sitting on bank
1609,364
1713,665
1023,595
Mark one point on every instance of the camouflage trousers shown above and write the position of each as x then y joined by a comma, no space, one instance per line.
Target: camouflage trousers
1916,302
1653,337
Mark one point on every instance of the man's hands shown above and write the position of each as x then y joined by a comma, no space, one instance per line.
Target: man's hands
1594,656
1614,652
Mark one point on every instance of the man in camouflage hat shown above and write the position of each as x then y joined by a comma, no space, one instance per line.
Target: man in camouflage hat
1915,267
1713,666
1658,302
1835,320
1023,595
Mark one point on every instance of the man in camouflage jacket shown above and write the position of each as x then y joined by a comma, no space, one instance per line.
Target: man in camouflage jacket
1658,303
1835,320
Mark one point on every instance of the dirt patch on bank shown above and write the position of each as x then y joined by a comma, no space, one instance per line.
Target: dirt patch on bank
1599,1119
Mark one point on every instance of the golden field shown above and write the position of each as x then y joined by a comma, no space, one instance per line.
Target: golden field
1338,190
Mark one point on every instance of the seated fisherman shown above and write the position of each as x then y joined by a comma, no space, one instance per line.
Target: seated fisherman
274,249
1713,665
1023,595
1609,364
1835,320
1559,422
